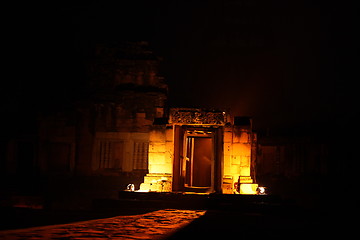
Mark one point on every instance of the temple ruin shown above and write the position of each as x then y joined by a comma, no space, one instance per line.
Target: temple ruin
122,131
201,151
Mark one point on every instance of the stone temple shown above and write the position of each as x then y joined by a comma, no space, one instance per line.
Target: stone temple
122,131
201,151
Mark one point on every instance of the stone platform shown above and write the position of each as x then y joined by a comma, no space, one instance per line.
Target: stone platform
156,200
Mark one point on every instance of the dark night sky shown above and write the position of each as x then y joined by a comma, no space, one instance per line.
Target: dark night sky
287,62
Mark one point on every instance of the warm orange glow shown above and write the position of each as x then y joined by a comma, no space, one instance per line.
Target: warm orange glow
237,160
248,188
196,154
156,183
158,224
160,162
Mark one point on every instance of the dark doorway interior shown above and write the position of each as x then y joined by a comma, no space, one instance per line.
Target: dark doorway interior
198,155
199,161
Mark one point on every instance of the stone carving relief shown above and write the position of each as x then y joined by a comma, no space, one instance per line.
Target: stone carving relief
197,117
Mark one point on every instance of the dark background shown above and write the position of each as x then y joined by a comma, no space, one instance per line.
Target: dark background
291,65
285,63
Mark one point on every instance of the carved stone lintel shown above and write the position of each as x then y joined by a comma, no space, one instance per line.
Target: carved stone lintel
196,117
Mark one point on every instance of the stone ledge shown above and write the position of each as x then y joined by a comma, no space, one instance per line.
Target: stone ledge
157,182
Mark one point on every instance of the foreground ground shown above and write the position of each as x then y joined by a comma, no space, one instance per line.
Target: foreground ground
153,225
222,219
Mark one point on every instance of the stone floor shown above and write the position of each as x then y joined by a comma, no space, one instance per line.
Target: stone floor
153,225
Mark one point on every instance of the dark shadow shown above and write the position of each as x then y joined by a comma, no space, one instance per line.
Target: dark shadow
256,223
17,218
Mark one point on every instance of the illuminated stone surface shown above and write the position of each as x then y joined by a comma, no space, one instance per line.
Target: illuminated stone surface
196,116
172,152
153,225
248,188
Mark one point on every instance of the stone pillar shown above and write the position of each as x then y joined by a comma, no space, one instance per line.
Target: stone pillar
228,179
242,143
237,159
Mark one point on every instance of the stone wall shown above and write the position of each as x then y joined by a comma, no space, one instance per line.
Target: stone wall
237,157
161,151
236,154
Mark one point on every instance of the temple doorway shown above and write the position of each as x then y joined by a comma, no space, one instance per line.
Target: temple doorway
197,159
198,163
